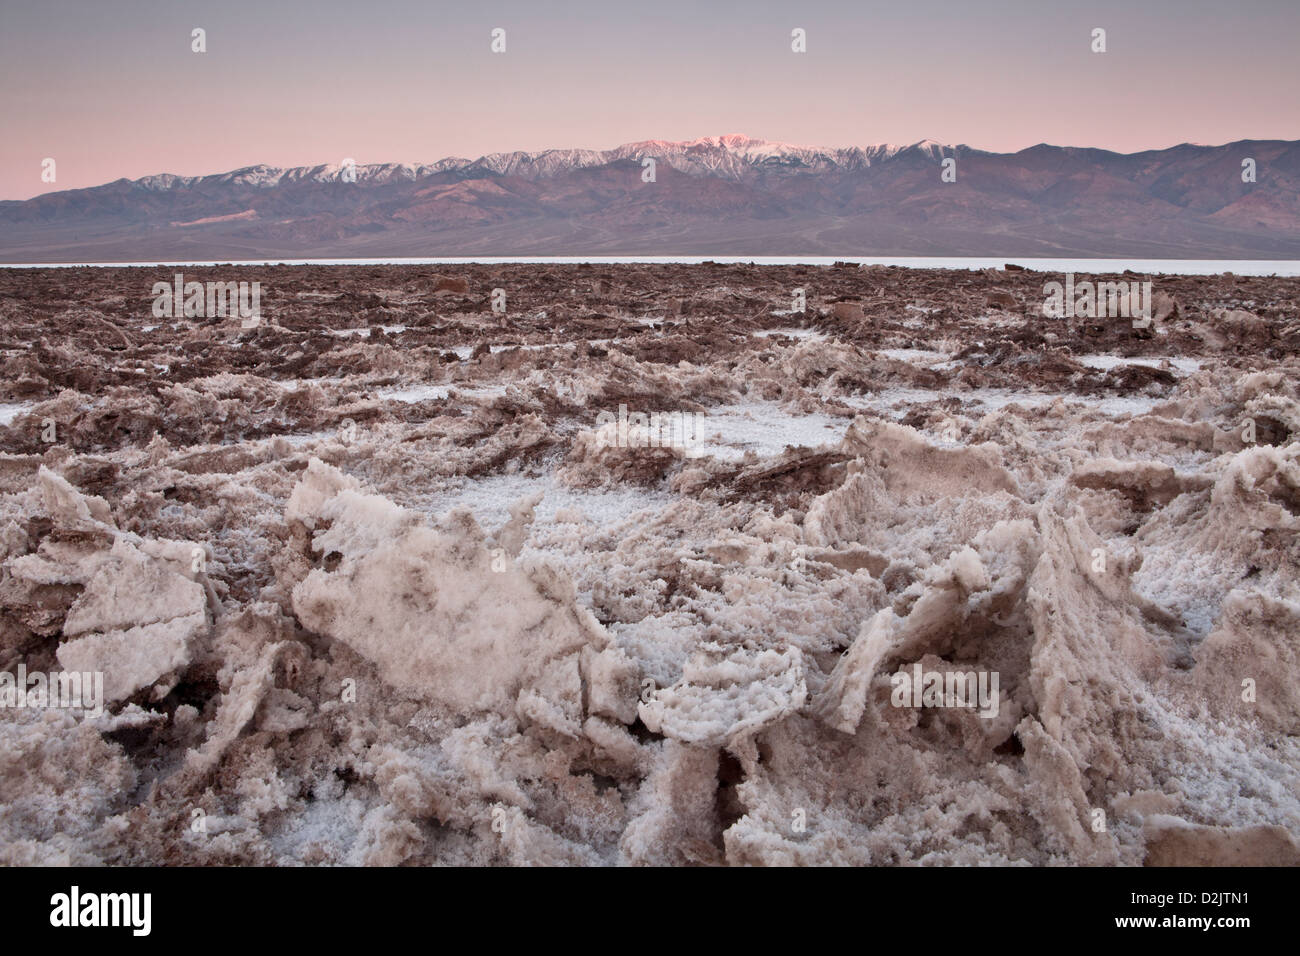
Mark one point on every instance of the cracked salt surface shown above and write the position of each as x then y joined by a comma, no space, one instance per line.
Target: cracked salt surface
365,333
483,686
1184,366
297,441
811,335
489,499
410,394
765,428
293,385
995,399
920,356
464,352
728,433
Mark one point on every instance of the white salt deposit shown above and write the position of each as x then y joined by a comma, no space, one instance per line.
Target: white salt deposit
764,428
409,394
8,412
896,402
1184,366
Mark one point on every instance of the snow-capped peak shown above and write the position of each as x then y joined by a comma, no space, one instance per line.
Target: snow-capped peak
731,156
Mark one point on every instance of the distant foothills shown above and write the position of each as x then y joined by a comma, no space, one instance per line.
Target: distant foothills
728,195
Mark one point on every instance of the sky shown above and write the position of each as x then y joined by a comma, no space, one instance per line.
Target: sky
112,88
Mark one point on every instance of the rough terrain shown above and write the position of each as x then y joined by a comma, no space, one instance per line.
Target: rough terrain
370,583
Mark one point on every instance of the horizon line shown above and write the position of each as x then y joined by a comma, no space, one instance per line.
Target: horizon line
1053,264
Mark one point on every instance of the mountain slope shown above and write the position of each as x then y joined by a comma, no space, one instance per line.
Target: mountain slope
728,195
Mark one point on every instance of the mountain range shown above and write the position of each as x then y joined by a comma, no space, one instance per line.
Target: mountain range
728,195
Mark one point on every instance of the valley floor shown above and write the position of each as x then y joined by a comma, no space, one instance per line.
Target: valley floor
392,578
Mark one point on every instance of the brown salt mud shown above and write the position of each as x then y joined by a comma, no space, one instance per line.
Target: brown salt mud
935,580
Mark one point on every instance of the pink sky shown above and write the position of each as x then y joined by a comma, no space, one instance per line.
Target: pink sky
111,89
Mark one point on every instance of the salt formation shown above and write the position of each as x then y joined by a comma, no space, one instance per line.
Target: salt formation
137,615
396,599
434,615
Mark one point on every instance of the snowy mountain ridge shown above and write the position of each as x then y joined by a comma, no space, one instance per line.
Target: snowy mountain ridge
734,157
